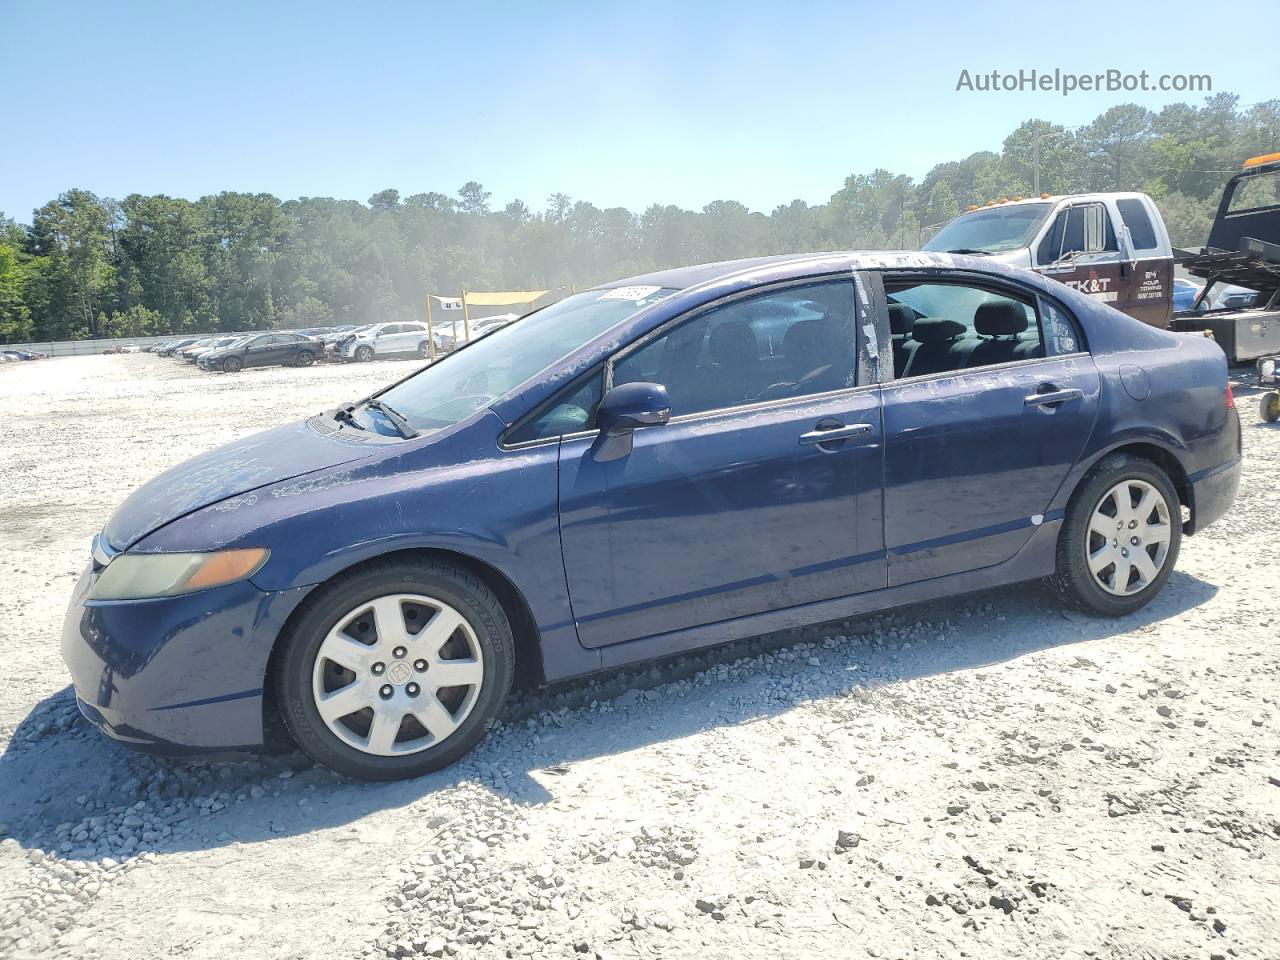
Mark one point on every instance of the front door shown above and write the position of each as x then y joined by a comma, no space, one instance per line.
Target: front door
259,351
1081,248
762,492
981,427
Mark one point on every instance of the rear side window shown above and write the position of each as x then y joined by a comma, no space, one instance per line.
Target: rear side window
788,343
945,327
1135,217
1060,330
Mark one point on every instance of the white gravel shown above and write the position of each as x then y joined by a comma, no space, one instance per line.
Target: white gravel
989,776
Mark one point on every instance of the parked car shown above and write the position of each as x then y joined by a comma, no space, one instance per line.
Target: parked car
1233,297
332,340
189,351
15,354
384,340
264,350
168,349
1185,293
487,325
194,353
641,469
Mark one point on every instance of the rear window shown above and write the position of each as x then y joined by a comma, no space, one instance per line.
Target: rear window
1256,193
1135,217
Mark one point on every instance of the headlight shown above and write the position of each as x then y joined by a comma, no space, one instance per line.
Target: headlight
135,576
1266,369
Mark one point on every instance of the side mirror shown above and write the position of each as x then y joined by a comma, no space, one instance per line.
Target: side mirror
622,411
633,405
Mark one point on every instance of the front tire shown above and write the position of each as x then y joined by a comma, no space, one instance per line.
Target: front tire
364,354
305,359
231,365
395,670
1120,539
424,350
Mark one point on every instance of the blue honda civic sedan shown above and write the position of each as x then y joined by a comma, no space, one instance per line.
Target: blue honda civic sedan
652,466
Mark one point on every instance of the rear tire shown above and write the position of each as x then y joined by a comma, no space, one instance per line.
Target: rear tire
1270,406
1125,510
383,602
231,365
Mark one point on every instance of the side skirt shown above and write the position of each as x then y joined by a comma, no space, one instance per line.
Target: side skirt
1036,559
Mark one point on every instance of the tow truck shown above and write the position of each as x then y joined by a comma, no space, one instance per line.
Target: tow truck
1116,247
1243,249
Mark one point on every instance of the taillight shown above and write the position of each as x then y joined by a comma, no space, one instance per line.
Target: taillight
1231,400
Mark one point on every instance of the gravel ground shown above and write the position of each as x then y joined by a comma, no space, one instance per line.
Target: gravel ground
990,776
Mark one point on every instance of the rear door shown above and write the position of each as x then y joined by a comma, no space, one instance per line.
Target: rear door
983,424
738,505
411,335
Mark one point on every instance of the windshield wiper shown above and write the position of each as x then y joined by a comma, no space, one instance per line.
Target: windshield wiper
343,415
397,421
971,251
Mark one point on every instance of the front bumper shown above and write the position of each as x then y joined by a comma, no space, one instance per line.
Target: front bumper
179,674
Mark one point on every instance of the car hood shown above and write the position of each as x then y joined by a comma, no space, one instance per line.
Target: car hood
255,461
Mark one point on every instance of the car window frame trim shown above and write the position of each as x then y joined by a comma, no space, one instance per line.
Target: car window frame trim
986,281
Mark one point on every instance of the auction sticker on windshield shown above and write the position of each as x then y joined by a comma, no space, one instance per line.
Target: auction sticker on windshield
629,293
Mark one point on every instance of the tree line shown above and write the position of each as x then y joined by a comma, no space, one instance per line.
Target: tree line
87,266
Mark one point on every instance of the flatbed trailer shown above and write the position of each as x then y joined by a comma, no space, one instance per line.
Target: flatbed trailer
1243,249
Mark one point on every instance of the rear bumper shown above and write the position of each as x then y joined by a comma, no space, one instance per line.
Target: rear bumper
1212,493
178,675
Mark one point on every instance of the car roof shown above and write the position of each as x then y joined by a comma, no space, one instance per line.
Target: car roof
680,278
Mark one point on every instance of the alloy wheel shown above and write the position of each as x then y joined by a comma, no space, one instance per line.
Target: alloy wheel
1128,541
397,674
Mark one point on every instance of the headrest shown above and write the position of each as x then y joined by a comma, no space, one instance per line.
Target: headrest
901,319
1000,318
804,341
732,341
937,329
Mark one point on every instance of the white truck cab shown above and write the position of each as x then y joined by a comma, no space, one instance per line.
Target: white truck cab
1112,246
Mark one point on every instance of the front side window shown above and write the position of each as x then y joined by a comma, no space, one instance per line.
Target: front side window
957,326
789,343
1083,228
570,411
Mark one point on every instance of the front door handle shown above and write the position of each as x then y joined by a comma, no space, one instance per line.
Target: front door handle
836,431
1052,397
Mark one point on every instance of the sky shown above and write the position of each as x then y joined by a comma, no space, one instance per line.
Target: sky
620,104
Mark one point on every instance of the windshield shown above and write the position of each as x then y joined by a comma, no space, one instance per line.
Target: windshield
991,229
453,388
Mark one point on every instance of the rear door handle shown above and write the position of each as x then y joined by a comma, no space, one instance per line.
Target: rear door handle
835,432
1052,397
